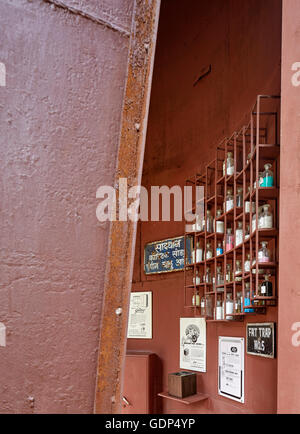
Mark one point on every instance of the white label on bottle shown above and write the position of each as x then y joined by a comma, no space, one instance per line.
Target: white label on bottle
238,236
230,170
199,255
229,205
263,289
219,312
247,265
253,224
208,254
268,222
220,227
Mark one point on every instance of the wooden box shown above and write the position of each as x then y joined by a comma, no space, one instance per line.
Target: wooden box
182,384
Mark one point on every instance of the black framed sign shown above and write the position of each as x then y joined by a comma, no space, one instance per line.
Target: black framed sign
261,339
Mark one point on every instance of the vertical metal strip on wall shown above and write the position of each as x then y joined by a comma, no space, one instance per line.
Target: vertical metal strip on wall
120,259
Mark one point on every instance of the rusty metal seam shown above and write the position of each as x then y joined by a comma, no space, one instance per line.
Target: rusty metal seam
89,16
120,259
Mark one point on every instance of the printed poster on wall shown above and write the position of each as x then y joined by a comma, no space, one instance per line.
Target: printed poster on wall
231,368
193,344
140,316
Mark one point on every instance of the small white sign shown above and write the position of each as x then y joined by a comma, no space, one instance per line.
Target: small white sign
2,335
231,368
193,344
140,316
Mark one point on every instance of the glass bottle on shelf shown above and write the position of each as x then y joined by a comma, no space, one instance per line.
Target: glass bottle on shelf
198,226
266,218
238,303
239,197
266,287
199,252
196,279
196,299
247,264
228,276
209,222
209,306
229,306
219,312
228,164
254,223
220,276
247,301
229,240
208,278
209,252
238,271
268,178
258,302
229,200
219,224
219,250
247,234
264,253
260,180
202,306
239,234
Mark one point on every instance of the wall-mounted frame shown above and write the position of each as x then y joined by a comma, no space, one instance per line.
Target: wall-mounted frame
140,316
193,344
231,368
261,339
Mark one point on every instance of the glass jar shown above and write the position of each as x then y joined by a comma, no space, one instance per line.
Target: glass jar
196,279
238,303
219,250
196,299
209,252
220,276
238,271
202,306
247,264
247,301
268,178
239,234
208,276
254,223
229,200
219,312
219,224
229,306
228,165
199,252
229,242
239,198
198,225
266,287
209,222
266,218
260,180
228,276
248,207
264,253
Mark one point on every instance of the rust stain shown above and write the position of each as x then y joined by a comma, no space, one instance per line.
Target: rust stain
113,332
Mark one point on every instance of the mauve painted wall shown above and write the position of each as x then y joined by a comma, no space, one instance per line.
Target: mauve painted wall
242,41
60,119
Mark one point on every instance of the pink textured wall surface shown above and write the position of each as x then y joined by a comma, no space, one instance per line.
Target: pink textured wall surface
60,118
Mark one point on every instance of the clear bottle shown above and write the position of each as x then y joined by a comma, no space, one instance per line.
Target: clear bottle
229,200
229,306
198,225
247,264
228,165
220,276
219,313
239,234
267,287
264,253
209,306
239,197
209,222
268,177
199,252
196,299
266,217
238,303
208,278
254,223
228,276
260,180
219,250
197,279
238,271
247,301
209,252
219,224
202,306
247,234
229,241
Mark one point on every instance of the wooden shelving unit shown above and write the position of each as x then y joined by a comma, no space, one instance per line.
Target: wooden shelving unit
252,147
